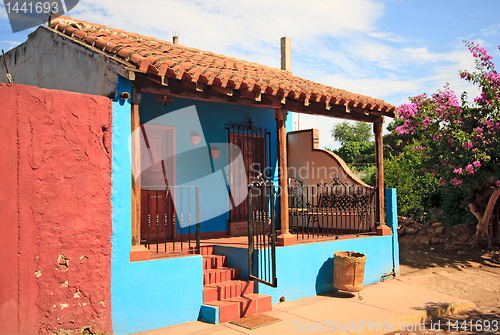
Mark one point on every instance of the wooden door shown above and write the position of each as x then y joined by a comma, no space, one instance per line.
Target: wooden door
253,151
157,207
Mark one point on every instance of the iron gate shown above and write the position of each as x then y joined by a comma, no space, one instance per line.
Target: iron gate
254,145
261,232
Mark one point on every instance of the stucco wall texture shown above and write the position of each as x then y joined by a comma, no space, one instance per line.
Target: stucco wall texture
55,210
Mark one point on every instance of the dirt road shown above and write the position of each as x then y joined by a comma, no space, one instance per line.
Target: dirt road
469,274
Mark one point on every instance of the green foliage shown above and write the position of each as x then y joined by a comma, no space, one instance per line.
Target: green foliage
355,142
347,132
369,175
357,152
414,188
450,200
455,145
458,142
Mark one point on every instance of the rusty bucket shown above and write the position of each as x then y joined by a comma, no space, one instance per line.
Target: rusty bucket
348,270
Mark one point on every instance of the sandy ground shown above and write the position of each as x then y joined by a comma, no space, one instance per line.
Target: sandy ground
465,273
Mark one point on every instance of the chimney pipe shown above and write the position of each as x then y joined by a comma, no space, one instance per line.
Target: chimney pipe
286,54
175,38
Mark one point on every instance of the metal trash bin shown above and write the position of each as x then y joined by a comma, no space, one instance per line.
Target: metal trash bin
349,271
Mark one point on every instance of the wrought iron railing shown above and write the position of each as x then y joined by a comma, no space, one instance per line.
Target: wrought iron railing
331,210
261,232
170,219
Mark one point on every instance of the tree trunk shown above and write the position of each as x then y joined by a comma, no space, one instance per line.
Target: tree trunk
484,220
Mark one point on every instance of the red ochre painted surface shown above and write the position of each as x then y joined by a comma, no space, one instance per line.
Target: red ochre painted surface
55,209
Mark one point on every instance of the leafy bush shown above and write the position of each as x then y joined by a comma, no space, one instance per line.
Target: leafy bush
459,142
414,188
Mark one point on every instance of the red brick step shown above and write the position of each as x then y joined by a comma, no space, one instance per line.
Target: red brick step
227,290
242,306
225,297
220,275
214,261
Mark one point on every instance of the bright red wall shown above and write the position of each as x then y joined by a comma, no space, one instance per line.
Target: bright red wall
55,210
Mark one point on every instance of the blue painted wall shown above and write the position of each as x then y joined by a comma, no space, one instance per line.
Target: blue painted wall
237,257
305,270
391,205
200,169
159,293
151,294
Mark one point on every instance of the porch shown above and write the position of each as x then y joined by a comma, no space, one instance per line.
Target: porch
306,268
197,150
241,242
194,185
315,214
304,264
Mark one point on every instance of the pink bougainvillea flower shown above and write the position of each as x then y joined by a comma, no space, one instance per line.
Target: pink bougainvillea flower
458,170
419,148
426,121
477,163
470,168
468,145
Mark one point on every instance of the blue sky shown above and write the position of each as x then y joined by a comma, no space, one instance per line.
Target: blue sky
387,49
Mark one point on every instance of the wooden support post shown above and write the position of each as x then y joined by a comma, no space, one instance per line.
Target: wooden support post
136,161
138,252
285,238
382,229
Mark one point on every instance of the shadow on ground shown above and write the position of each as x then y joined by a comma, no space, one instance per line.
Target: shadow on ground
424,257
470,274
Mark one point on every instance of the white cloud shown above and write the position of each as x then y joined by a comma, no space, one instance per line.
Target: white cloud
219,24
490,30
391,37
7,45
3,11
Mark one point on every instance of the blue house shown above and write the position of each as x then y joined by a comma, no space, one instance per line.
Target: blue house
208,222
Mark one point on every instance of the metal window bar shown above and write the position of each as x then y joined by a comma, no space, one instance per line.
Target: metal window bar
332,210
254,142
167,234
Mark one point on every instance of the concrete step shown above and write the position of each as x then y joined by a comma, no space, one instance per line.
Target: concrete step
235,308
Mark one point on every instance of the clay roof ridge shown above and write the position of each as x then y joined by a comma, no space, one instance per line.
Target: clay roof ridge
160,57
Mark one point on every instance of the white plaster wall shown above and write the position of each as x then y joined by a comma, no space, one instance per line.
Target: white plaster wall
50,60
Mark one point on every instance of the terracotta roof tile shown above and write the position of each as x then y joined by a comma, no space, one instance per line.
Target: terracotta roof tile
158,57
